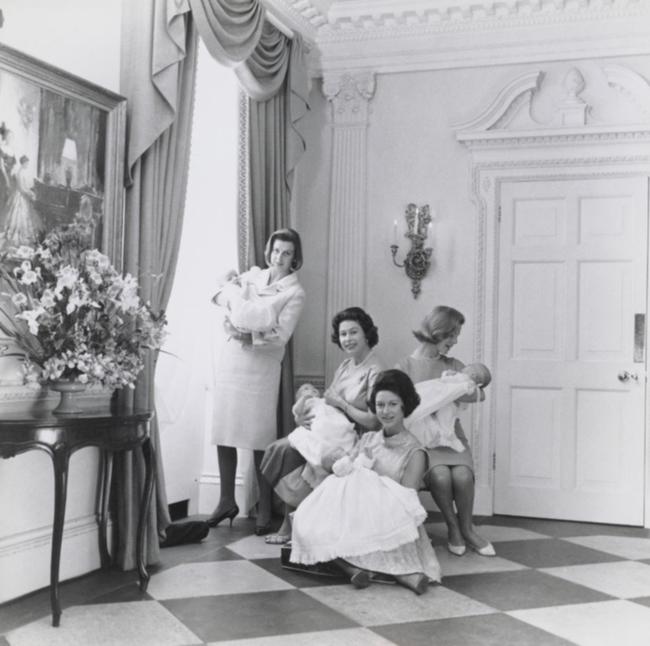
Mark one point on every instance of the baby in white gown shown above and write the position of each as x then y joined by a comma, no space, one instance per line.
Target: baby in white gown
247,312
433,421
330,429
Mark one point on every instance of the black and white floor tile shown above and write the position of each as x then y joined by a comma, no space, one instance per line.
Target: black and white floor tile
551,583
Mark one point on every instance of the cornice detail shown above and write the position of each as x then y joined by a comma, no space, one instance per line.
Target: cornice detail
390,36
372,18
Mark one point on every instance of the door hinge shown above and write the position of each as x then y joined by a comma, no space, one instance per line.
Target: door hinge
494,462
499,214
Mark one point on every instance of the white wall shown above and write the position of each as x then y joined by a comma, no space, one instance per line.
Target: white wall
413,156
81,37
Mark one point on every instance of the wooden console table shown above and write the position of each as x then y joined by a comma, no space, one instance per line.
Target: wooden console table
60,436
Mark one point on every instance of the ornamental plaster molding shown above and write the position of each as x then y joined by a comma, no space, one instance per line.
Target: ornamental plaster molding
631,85
513,97
350,94
402,35
371,18
616,111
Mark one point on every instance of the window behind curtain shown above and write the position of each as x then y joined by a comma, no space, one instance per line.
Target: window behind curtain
208,249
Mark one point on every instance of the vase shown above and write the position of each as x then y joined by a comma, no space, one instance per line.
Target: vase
69,404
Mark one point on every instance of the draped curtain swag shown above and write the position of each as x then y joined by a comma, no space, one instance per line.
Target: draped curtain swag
230,29
157,78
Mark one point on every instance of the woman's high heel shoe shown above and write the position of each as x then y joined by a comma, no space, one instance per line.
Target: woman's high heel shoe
419,583
215,519
486,550
456,550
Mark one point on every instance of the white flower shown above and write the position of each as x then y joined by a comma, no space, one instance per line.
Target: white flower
47,299
66,277
19,299
73,302
30,276
24,252
44,253
95,257
31,316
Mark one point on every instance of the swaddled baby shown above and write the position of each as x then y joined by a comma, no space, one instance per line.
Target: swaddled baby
247,312
433,421
330,428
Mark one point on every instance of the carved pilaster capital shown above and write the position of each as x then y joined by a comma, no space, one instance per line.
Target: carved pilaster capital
350,95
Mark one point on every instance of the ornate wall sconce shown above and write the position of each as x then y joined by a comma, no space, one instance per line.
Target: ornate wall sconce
418,257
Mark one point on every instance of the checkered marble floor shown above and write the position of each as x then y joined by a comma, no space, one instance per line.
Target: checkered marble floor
551,583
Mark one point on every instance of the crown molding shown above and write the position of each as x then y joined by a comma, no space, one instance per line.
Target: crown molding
411,35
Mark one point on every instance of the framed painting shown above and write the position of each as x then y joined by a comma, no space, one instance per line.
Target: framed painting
62,145
62,151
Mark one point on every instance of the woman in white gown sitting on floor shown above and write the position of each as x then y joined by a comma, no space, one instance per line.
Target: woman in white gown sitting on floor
366,515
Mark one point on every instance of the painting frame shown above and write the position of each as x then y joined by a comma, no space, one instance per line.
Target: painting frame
112,108
29,84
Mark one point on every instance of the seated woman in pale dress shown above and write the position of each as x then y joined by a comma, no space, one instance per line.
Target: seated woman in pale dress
283,466
366,516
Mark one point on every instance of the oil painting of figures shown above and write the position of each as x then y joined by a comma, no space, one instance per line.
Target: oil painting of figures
52,158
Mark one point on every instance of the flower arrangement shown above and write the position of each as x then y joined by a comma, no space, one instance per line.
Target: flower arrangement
72,315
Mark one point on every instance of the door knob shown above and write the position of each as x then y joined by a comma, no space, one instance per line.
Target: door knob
624,376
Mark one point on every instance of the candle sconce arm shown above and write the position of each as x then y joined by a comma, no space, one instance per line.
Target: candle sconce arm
418,258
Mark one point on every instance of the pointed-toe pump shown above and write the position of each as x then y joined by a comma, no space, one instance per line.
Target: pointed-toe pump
418,583
486,550
215,519
456,550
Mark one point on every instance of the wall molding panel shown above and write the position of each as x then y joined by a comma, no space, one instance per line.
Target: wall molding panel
25,557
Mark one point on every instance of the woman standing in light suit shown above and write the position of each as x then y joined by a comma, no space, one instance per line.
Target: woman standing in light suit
247,374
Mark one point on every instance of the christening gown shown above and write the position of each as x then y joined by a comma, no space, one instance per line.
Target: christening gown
364,515
433,421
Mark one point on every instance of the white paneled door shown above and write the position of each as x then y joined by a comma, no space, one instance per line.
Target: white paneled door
570,374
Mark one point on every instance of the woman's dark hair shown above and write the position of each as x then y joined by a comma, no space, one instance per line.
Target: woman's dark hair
286,235
357,315
399,383
439,324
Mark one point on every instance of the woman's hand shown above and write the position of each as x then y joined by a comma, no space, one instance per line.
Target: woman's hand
228,276
477,395
304,419
234,333
336,401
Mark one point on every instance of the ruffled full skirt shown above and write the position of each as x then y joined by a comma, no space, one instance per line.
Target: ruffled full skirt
354,515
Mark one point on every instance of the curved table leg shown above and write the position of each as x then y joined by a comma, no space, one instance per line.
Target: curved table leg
102,511
149,463
60,458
